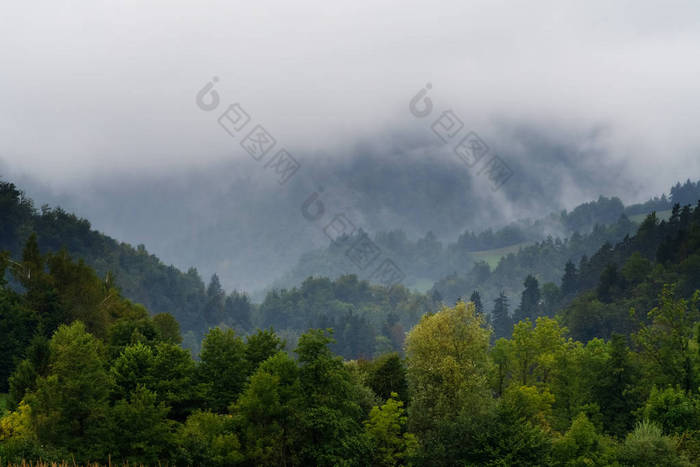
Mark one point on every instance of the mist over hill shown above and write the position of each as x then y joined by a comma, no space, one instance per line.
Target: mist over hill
233,218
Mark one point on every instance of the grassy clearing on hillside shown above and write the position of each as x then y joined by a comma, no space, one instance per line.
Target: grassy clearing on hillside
422,285
661,215
67,464
492,257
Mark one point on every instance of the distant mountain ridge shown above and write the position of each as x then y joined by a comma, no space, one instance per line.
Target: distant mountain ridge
145,279
141,276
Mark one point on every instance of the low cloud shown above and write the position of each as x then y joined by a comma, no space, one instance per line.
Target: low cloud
98,109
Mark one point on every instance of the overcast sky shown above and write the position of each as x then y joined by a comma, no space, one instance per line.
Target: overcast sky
90,88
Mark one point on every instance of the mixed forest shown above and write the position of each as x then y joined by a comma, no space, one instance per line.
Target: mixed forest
580,348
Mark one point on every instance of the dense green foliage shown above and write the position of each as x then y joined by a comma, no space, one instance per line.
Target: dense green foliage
632,274
601,370
367,319
537,398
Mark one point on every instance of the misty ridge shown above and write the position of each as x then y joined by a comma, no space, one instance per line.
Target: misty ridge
233,219
591,299
490,263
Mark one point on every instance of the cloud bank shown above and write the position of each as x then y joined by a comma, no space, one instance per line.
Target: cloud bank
98,110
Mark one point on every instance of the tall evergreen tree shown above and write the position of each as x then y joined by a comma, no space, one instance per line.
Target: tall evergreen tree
613,389
215,304
609,279
476,300
569,282
31,273
529,300
502,322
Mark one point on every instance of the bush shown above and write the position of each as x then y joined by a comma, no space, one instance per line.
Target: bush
646,446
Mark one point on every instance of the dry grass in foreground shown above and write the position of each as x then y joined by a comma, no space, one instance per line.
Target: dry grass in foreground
25,463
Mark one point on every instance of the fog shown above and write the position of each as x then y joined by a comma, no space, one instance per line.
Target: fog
99,115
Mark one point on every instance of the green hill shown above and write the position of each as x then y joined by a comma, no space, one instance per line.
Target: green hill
140,276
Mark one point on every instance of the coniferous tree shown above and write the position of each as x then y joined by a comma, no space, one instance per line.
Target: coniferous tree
569,282
529,300
502,322
613,389
32,262
387,375
214,306
476,300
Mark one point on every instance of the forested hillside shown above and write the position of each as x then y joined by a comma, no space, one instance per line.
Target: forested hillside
541,247
140,276
593,371
590,226
545,260
631,275
428,259
364,314
98,379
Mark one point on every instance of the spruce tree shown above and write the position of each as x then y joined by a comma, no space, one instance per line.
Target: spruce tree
569,282
216,301
476,300
529,300
502,322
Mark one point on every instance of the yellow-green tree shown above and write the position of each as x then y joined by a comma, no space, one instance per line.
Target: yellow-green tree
666,342
533,351
385,428
448,366
17,424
